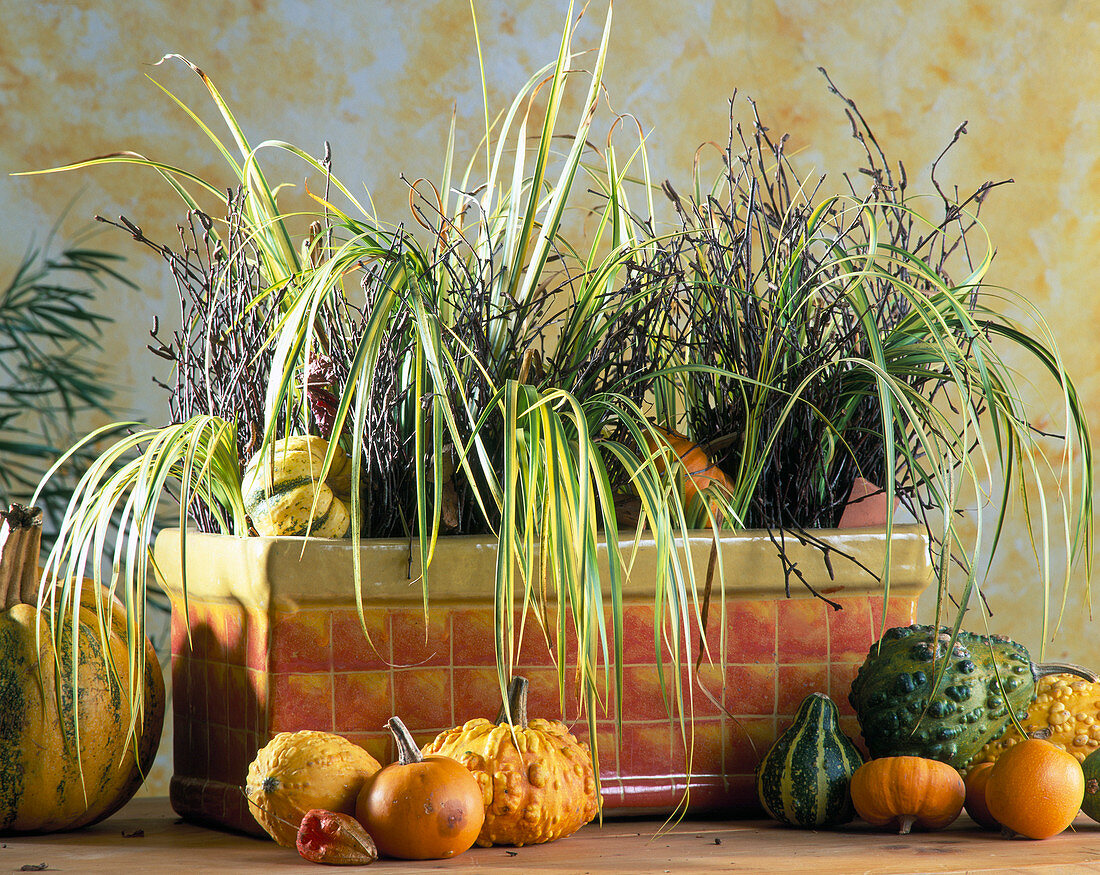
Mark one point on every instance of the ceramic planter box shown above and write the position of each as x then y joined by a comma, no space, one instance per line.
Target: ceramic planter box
271,641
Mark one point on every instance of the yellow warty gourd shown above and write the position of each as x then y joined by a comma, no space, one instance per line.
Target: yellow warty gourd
538,787
1066,706
281,487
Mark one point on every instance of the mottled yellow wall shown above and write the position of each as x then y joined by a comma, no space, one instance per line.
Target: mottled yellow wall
378,79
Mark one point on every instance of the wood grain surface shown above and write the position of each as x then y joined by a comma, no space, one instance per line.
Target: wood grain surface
146,836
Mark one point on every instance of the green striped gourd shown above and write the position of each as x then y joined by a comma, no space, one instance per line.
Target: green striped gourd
281,487
803,779
67,758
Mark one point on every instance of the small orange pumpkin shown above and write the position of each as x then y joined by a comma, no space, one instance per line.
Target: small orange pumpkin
976,780
420,808
907,791
1035,789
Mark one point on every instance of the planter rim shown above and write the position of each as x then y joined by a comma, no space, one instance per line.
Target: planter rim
292,572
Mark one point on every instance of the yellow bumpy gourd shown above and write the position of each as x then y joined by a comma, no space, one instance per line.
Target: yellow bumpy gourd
1066,706
296,772
536,778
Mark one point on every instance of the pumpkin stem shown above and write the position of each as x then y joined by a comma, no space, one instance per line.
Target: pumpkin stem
517,704
1049,668
905,824
407,751
20,544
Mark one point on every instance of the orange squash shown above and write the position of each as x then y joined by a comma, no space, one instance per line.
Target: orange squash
1035,789
977,778
906,791
296,772
421,807
536,778
702,472
57,773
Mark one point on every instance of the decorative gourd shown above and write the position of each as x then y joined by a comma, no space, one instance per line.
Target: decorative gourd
904,792
985,678
1065,705
701,471
803,779
56,774
280,489
299,771
976,806
420,808
542,790
334,838
1035,789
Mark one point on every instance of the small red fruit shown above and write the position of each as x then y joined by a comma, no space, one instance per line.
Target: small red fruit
336,839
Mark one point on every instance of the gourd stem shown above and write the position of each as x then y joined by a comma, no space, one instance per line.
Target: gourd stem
407,751
20,544
517,704
1049,668
905,824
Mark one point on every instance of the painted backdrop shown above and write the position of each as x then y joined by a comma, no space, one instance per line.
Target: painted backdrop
379,81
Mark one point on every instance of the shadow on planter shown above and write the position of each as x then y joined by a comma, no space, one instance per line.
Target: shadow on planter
276,645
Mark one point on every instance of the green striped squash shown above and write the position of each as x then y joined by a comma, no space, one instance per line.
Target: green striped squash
57,772
283,495
803,779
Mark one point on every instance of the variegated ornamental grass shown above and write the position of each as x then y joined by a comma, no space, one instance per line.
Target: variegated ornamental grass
826,340
543,484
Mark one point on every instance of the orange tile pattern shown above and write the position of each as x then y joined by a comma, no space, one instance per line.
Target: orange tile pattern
242,676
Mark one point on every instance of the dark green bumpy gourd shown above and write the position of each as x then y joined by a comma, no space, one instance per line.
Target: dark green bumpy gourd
803,779
985,677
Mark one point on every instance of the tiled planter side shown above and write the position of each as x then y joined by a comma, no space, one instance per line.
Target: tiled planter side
220,693
290,654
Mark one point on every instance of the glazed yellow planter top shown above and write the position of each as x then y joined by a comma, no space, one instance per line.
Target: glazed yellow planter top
294,572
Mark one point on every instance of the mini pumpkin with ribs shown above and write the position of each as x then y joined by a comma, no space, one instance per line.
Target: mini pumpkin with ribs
536,777
906,791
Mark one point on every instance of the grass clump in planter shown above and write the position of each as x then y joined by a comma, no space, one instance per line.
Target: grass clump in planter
823,339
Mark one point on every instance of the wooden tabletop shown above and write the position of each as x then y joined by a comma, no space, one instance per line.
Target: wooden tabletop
146,836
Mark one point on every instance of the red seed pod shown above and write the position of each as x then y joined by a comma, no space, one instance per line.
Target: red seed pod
336,839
